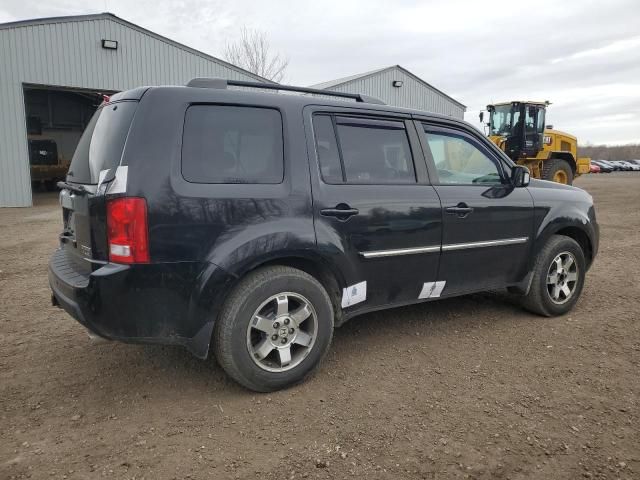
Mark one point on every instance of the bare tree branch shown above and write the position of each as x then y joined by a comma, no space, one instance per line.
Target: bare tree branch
252,52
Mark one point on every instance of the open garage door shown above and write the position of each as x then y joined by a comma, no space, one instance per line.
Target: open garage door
55,118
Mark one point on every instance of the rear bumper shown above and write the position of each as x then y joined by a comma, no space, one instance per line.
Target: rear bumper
166,303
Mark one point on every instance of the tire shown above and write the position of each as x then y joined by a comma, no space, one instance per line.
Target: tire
539,299
557,167
239,333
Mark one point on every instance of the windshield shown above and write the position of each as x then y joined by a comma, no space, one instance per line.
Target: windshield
502,119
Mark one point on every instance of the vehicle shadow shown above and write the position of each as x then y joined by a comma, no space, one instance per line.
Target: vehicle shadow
449,316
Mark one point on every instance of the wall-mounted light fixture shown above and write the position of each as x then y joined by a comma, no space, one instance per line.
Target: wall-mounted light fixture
397,83
110,44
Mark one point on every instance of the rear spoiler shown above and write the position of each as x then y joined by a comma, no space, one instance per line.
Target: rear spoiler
134,94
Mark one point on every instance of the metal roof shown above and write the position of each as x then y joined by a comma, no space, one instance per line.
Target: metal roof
359,76
111,16
534,102
340,81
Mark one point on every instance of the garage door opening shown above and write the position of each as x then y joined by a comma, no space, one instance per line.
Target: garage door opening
56,118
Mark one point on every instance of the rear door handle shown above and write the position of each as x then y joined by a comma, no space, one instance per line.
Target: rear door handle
462,210
342,211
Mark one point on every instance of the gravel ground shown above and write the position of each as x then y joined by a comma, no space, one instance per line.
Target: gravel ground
471,387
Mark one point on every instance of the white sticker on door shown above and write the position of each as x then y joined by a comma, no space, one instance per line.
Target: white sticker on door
437,289
432,289
427,288
354,294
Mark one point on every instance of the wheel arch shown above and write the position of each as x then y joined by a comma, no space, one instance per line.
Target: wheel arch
316,266
574,230
567,156
582,238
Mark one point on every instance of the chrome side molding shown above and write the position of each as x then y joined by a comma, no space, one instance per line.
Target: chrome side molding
445,248
487,243
400,251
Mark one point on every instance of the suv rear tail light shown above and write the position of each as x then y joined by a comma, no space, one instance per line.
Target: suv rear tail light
127,230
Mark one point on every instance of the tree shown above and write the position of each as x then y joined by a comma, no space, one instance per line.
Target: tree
252,52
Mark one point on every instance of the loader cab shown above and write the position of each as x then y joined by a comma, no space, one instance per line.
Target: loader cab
518,127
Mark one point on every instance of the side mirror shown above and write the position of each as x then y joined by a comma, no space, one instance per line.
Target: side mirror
520,176
481,116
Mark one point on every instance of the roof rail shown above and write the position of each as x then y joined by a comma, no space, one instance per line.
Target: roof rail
221,83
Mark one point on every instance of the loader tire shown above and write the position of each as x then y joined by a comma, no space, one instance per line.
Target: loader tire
557,170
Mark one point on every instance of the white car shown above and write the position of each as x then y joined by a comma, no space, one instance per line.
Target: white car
633,166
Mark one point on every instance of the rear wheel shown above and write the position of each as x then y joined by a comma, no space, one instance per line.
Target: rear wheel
274,329
557,170
558,278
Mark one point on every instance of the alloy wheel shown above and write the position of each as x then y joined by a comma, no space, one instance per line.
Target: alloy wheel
562,278
282,332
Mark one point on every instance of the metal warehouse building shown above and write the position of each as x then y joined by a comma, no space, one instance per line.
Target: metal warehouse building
53,72
397,86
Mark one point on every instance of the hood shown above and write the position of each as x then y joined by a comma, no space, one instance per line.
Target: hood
535,182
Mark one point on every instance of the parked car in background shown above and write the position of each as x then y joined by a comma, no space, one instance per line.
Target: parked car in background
621,166
611,165
632,166
604,167
594,168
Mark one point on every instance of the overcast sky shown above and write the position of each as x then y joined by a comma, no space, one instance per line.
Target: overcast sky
583,56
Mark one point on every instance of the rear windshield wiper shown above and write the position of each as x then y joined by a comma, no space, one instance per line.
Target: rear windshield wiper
73,188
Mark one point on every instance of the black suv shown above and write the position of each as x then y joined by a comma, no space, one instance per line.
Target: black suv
252,223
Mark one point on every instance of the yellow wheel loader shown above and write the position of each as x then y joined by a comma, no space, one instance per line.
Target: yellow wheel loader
518,128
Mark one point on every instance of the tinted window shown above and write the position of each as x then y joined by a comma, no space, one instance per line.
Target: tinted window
375,152
327,149
102,143
459,161
224,144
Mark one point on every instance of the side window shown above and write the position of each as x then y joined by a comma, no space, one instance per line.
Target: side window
224,144
359,150
530,120
540,126
458,161
327,148
375,152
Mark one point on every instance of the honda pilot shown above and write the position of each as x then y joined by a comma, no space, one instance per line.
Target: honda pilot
250,223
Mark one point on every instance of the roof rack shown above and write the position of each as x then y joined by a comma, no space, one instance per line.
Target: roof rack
221,83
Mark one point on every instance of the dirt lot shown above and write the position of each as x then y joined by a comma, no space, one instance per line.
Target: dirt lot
465,388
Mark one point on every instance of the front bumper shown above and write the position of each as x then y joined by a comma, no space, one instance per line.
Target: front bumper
160,303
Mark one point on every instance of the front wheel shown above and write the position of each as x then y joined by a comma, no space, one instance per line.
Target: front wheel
274,329
558,278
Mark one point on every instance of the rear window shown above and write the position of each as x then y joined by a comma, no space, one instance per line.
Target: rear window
102,143
229,144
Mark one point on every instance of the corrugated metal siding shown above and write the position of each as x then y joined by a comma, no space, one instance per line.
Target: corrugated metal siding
70,54
412,94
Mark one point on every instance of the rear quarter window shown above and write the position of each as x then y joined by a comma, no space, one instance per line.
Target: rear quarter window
232,144
101,145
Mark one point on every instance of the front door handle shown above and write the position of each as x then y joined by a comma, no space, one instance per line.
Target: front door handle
462,210
342,211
